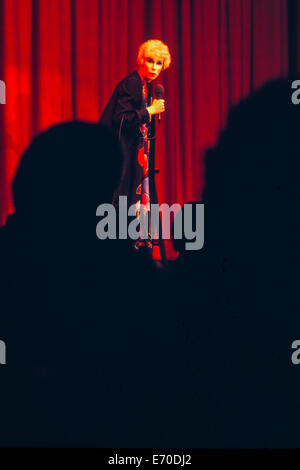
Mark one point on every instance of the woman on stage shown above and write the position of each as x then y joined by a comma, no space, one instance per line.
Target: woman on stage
129,113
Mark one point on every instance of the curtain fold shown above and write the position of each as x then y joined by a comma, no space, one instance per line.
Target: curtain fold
61,60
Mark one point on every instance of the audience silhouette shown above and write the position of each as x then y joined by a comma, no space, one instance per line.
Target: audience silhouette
242,287
99,354
69,300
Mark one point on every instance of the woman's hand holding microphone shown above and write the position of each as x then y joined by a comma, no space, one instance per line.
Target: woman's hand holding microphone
157,107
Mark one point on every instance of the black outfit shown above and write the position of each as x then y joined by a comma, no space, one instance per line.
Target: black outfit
124,114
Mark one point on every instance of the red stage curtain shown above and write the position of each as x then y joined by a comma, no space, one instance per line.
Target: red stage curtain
61,59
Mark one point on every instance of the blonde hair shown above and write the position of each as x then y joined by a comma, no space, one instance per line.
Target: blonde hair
156,47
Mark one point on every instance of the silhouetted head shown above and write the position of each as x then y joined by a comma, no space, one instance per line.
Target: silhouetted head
258,152
252,175
251,193
69,169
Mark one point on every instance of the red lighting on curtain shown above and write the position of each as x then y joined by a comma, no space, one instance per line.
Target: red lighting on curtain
61,59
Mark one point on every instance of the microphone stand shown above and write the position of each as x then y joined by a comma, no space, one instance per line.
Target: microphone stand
152,171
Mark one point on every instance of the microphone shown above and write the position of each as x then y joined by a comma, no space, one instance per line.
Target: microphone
159,92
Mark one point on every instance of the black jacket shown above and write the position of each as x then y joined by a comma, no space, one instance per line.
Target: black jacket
124,113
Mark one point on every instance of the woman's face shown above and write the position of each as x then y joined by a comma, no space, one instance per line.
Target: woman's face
152,66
